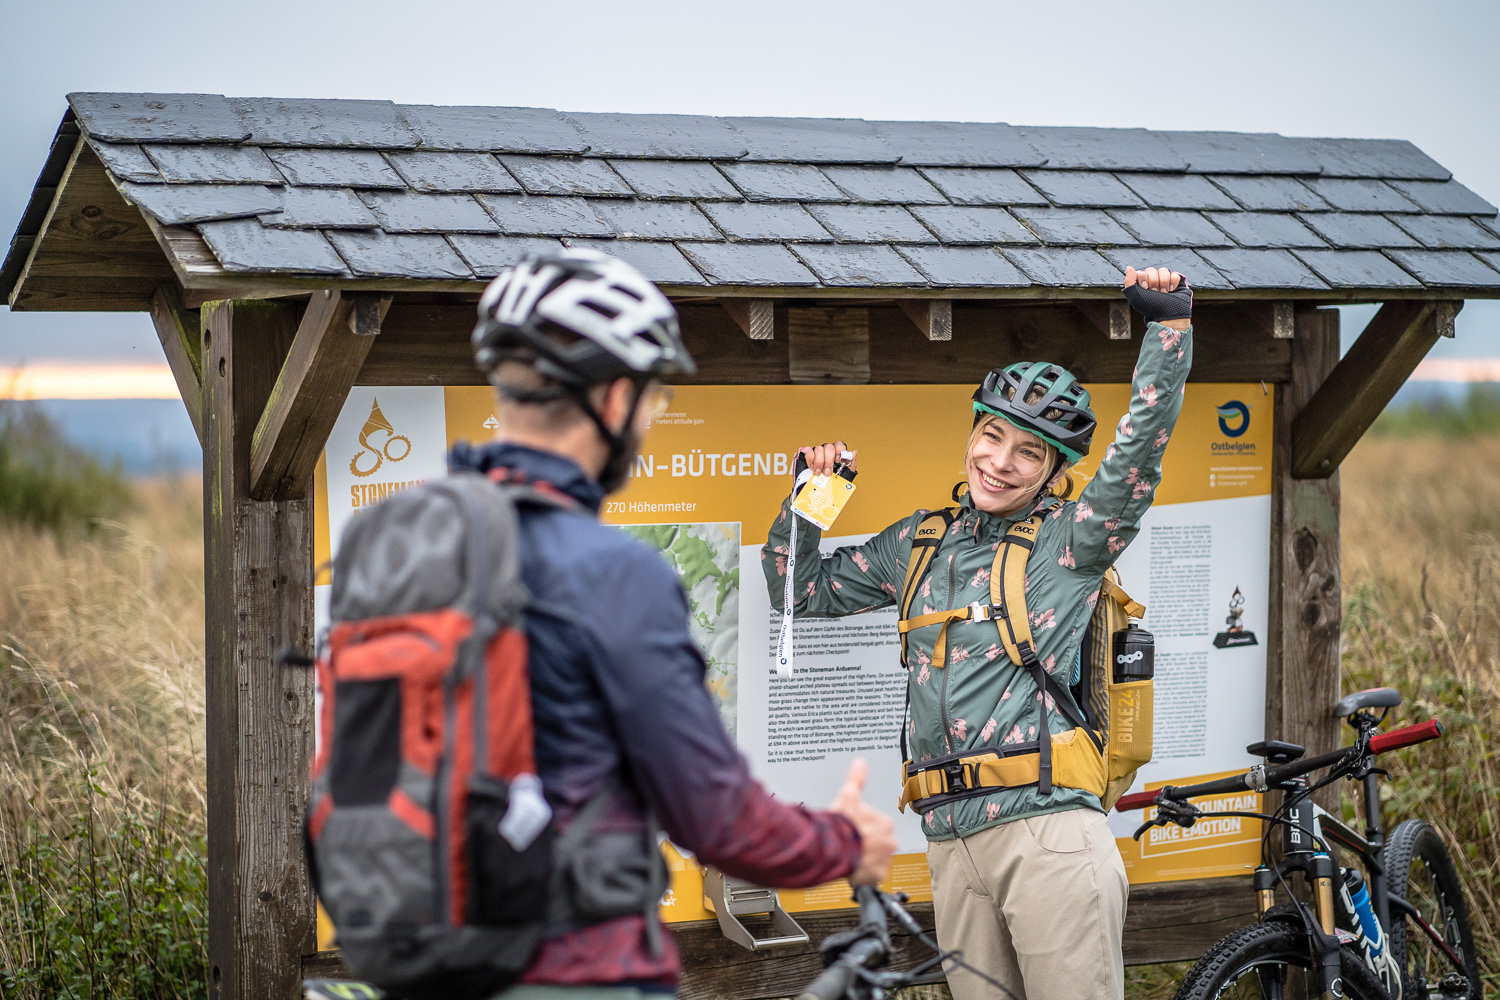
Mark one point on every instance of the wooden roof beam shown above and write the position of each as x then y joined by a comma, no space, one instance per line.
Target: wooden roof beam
1357,389
757,317
934,317
181,338
335,335
1112,318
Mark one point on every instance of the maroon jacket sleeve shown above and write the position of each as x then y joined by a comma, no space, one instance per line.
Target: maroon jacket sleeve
692,777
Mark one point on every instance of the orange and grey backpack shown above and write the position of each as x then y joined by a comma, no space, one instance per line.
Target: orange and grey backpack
1112,721
429,839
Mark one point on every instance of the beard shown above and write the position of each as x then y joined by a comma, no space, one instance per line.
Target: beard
622,453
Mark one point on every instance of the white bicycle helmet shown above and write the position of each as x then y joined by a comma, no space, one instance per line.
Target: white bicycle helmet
624,325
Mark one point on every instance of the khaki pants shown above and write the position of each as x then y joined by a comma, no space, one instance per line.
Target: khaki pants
1038,904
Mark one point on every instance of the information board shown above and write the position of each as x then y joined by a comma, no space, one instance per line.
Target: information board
708,483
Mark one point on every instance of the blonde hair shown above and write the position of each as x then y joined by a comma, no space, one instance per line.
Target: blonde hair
1049,461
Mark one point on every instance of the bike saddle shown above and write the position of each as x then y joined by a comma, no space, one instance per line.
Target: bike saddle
1369,698
1275,751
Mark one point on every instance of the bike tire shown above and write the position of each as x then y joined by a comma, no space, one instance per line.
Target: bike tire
1279,949
1419,868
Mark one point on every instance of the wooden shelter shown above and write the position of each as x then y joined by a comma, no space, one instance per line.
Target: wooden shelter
290,249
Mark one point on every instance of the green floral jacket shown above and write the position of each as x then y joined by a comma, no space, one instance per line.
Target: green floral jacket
980,698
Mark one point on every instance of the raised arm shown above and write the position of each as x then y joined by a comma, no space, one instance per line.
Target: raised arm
1110,508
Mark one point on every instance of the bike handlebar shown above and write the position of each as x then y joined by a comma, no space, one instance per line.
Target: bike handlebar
1261,777
870,948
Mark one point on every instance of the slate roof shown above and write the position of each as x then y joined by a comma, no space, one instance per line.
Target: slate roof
349,190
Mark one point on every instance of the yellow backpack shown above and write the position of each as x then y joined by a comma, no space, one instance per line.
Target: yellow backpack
1111,738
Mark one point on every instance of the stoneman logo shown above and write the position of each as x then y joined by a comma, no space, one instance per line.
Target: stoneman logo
379,443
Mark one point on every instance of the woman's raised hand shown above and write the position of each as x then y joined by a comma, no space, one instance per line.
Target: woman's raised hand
821,458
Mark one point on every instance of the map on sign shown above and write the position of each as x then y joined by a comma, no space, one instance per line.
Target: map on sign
707,560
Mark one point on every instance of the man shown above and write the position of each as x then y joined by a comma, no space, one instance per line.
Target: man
575,345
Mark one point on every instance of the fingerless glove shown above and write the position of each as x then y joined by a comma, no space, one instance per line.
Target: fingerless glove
1155,306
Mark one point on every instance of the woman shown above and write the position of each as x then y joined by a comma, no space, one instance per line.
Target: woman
1028,884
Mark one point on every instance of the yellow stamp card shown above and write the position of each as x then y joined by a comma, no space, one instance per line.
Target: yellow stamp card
823,498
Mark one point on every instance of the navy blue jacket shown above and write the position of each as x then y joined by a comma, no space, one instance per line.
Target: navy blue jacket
618,693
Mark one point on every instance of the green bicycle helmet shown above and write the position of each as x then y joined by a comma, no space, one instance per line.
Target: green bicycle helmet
1042,398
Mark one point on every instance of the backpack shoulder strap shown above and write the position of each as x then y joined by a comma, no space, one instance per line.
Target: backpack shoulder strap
1008,589
924,546
1111,588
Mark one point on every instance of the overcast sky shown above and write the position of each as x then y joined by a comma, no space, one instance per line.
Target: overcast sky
1427,72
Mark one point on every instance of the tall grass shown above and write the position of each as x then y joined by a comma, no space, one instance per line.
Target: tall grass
49,483
101,767
1477,413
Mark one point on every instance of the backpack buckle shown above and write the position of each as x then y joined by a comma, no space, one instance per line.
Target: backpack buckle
981,612
955,774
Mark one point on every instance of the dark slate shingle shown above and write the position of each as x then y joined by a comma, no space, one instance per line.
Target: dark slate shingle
245,245
1177,191
659,261
871,224
1358,229
885,185
1490,257
178,204
1167,228
973,224
406,255
1241,153
566,175
403,212
1357,269
444,173
488,255
683,137
1066,268
1189,263
535,216
1262,269
321,208
965,266
843,264
158,117
1265,229
657,220
1360,195
748,264
278,121
1445,197
758,220
127,162
1446,267
676,179
361,168
494,130
1388,158
1074,225
812,140
782,182
982,186
1068,148
1448,232
1270,194
214,164
959,144
1082,189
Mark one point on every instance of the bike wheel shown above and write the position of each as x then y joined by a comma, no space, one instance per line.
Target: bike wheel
1270,961
1419,869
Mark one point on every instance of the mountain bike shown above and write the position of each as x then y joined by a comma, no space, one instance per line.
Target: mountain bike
1394,926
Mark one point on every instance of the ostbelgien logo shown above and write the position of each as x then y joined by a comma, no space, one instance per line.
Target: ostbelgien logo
374,451
1234,418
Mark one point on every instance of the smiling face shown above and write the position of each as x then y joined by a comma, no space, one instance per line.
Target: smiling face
1006,466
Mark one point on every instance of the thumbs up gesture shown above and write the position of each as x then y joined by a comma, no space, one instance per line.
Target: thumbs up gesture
877,831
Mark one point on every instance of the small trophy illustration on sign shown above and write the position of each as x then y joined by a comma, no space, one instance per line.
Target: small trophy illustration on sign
1235,634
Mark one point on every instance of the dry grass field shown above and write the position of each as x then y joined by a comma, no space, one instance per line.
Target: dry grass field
101,713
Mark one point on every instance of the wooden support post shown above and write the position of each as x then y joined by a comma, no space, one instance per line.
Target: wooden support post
934,317
1302,666
757,317
829,345
177,329
258,585
1383,357
333,339
1111,317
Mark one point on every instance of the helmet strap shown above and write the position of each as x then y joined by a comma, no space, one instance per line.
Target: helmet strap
617,460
